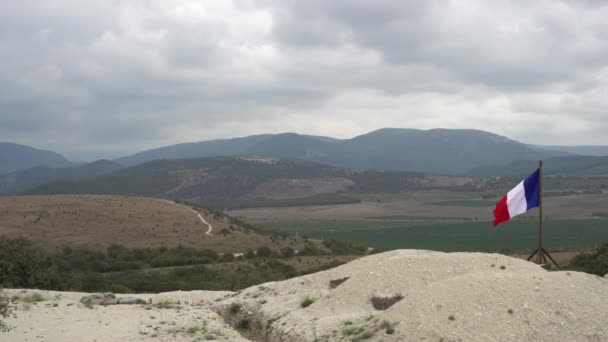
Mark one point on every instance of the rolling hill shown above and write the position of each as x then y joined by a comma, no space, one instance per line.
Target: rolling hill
15,157
584,150
443,151
584,166
96,222
255,182
22,180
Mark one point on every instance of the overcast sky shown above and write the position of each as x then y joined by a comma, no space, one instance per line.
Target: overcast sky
102,78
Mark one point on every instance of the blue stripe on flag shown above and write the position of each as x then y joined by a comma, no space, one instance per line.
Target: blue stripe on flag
532,187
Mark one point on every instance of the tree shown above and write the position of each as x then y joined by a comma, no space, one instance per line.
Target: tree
264,252
24,265
287,252
594,262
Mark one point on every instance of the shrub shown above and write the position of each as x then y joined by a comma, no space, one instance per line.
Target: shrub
33,297
287,252
306,302
5,311
339,247
24,265
118,288
264,252
594,262
234,308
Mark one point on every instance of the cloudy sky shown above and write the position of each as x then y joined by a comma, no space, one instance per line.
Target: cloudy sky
103,78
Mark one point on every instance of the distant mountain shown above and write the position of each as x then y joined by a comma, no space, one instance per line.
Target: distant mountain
597,151
562,166
438,150
15,157
22,180
254,182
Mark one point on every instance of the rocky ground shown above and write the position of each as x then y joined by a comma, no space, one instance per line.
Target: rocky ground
405,295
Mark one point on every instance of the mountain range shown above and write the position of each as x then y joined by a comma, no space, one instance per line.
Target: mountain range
23,180
15,157
438,151
443,151
223,182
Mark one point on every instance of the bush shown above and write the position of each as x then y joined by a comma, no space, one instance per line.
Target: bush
594,262
306,302
235,308
287,252
339,247
5,311
264,252
118,288
23,265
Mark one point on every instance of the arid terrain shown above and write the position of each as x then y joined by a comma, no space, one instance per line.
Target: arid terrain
403,295
98,221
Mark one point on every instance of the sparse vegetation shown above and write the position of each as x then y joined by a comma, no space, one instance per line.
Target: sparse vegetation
234,308
165,304
31,298
123,270
306,302
594,262
5,311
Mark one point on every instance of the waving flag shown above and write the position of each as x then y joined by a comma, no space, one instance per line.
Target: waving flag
520,199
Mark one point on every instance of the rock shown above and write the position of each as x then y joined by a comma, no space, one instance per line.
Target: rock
99,299
606,275
131,300
109,299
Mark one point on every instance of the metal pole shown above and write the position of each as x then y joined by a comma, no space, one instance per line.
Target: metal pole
540,205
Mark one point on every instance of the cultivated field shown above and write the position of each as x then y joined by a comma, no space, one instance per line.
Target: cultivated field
431,204
98,221
441,220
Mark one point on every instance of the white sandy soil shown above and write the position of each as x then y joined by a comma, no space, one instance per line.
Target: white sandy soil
446,297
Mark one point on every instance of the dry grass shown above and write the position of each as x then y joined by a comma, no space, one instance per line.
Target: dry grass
98,221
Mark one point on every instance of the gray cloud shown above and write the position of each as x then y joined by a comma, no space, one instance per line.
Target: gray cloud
106,78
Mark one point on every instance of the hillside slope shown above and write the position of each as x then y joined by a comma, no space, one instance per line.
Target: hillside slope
15,157
97,222
561,166
444,151
22,180
404,295
248,181
583,150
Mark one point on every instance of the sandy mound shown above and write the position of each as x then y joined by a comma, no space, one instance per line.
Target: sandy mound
402,295
173,316
446,297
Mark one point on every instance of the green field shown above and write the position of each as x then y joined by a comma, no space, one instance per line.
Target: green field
466,203
468,236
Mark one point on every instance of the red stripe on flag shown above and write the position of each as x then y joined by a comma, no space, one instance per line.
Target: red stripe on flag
501,212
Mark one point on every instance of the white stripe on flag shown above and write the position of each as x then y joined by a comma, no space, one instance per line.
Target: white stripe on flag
516,200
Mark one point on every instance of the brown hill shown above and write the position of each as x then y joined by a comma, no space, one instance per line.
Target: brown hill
98,221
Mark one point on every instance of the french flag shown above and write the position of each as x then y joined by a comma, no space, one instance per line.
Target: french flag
523,197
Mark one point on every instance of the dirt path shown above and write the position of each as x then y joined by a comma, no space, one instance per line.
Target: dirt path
200,217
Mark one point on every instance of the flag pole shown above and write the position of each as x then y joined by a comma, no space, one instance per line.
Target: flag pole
540,252
540,208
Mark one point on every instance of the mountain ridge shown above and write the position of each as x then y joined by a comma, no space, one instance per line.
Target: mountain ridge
444,151
23,180
14,157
